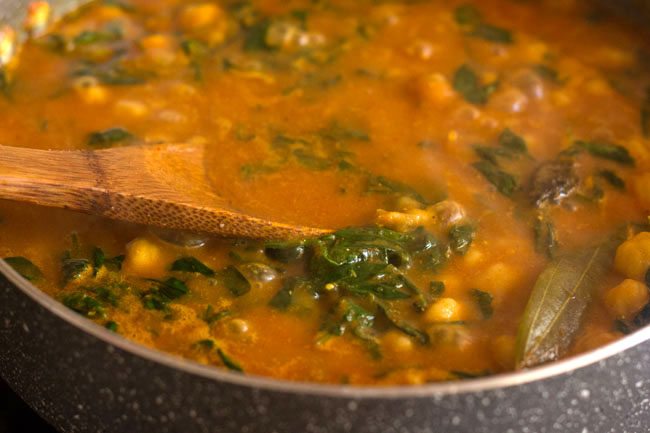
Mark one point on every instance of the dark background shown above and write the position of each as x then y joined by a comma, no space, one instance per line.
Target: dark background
16,416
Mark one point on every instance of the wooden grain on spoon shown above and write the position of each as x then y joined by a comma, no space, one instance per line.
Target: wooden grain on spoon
159,185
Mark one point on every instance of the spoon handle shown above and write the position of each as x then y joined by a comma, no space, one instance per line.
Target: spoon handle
65,179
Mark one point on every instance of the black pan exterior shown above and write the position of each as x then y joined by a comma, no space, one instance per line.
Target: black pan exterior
81,379
82,383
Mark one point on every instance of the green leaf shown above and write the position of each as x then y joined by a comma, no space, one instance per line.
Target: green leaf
484,302
235,281
108,137
492,33
99,259
605,150
403,325
85,305
206,344
645,115
548,73
191,264
87,37
612,178
25,268
513,142
492,154
467,15
255,39
504,182
460,238
5,84
229,362
74,269
159,297
111,326
285,252
467,83
210,316
557,303
384,185
470,18
282,299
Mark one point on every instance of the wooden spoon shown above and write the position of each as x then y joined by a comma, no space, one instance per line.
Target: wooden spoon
159,185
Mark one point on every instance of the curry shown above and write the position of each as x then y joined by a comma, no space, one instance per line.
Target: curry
485,167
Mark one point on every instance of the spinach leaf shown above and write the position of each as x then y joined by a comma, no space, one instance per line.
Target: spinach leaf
109,137
467,15
468,84
339,132
164,292
112,33
556,306
612,178
460,238
466,375
255,39
492,154
229,362
210,316
74,269
484,302
384,185
25,268
605,150
504,182
284,252
235,281
348,316
425,299
402,325
111,326
548,73
470,18
5,84
645,115
85,305
282,299
99,259
196,51
492,33
513,142
191,264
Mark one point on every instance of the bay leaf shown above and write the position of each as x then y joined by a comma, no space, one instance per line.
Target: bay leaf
558,301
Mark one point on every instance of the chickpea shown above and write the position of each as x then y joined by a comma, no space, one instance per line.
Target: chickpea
90,91
627,299
402,221
397,342
143,258
199,16
633,256
444,310
434,88
500,278
238,326
130,108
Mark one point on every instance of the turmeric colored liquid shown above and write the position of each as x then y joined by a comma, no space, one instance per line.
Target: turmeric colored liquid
305,109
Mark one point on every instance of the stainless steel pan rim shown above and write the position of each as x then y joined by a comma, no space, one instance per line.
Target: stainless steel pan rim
342,391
